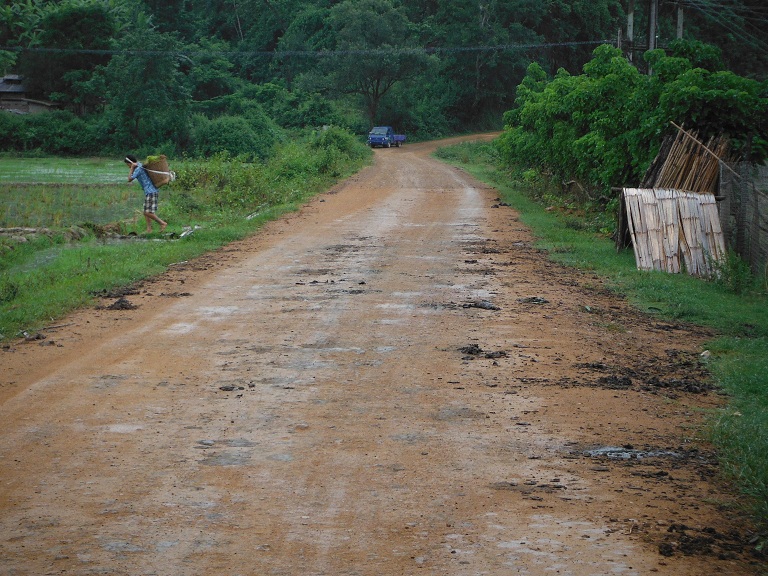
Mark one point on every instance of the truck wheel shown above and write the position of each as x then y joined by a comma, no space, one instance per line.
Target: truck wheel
387,144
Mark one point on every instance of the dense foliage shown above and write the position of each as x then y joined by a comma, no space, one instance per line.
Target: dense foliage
201,76
603,127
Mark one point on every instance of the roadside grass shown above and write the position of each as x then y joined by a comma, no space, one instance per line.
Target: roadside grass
738,356
212,203
741,430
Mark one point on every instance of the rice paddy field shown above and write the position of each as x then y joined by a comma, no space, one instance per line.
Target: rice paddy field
57,192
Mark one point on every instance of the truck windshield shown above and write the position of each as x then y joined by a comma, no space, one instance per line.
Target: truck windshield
379,131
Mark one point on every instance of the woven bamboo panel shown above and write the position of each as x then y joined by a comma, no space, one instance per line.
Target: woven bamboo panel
674,230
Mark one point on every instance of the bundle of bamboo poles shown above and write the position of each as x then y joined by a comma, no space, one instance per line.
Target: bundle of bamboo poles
687,163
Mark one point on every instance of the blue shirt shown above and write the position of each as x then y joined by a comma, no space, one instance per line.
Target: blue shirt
141,175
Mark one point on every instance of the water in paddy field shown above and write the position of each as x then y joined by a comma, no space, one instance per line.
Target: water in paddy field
83,171
59,193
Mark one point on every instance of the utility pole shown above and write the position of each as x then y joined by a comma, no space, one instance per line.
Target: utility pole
679,20
653,17
631,28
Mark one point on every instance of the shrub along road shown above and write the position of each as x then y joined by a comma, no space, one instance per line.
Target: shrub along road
391,381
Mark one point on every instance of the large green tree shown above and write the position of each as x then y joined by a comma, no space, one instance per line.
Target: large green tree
372,48
484,48
148,99
73,40
19,25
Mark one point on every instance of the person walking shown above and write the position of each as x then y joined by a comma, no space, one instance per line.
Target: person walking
138,172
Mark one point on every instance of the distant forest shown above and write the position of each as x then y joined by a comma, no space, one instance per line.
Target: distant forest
200,76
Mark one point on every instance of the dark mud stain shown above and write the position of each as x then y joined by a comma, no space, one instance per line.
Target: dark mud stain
119,292
688,541
121,304
482,304
678,371
628,452
472,351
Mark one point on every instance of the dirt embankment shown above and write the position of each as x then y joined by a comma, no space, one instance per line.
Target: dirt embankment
392,381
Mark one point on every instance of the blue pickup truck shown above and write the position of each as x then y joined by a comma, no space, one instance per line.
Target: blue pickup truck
385,137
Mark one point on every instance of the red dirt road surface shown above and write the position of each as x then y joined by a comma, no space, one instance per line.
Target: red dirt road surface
392,381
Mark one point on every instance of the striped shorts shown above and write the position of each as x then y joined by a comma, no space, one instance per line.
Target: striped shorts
150,202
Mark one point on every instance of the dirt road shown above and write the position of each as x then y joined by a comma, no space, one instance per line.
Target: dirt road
392,381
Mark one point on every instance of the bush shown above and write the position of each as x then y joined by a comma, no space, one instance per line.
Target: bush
10,128
55,132
292,109
222,181
602,128
231,134
338,139
733,273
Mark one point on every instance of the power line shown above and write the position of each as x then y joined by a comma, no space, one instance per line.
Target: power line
313,53
726,21
735,7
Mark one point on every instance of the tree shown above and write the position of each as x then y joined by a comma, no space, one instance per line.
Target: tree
148,103
476,42
19,23
73,40
305,34
209,70
568,23
373,49
603,127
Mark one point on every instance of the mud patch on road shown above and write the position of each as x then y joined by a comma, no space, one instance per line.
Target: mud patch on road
120,304
676,371
689,541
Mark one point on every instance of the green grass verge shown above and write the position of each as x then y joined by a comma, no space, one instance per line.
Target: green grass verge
739,357
741,430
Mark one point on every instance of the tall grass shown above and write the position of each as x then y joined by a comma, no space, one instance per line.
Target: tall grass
736,308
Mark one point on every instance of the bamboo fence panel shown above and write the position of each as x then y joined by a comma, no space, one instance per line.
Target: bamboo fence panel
637,229
689,222
670,236
713,231
650,208
674,229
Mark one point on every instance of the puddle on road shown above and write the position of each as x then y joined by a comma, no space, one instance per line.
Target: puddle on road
226,459
124,428
623,453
